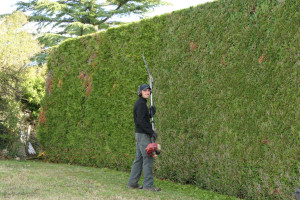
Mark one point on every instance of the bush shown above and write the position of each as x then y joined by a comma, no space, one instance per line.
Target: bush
4,136
226,91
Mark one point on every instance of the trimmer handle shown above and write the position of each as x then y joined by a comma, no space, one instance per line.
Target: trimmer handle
152,139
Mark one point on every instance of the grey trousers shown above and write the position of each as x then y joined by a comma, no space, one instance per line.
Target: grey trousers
142,162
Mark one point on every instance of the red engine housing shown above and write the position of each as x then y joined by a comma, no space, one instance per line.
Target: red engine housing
151,149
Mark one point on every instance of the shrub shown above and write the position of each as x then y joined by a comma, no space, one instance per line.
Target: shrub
226,91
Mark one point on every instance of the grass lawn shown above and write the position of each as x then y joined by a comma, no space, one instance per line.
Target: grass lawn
39,180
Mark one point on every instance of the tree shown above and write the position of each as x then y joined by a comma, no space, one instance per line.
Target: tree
16,48
34,90
71,18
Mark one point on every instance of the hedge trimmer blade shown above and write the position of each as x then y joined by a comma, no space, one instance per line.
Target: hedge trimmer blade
151,86
150,77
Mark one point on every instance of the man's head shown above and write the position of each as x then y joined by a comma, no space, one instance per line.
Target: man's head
144,91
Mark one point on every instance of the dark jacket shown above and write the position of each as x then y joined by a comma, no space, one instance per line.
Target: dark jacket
141,117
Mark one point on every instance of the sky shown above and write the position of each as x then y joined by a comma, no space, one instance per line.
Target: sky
7,6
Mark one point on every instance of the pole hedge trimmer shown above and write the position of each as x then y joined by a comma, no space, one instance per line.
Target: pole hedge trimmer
153,148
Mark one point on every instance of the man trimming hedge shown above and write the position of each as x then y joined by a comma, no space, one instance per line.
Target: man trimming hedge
143,134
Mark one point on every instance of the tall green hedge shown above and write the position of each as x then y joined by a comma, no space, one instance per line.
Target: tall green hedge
226,91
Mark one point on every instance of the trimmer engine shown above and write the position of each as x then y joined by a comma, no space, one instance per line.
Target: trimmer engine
153,149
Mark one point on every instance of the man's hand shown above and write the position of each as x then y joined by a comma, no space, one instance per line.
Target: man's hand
154,135
152,111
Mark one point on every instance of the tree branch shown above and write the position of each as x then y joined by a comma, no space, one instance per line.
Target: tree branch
119,6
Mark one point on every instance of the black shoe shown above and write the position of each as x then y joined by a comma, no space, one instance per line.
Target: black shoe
135,186
153,189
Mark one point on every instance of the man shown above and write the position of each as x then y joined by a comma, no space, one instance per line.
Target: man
143,134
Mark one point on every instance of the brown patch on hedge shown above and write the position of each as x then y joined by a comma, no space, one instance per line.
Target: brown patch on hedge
261,59
42,116
193,46
91,60
59,83
223,61
49,82
86,82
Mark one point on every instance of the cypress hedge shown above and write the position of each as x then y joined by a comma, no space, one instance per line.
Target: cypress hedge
226,91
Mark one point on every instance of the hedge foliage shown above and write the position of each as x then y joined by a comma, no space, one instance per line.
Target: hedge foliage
226,91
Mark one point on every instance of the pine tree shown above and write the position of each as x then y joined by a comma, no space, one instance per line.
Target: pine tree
71,18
